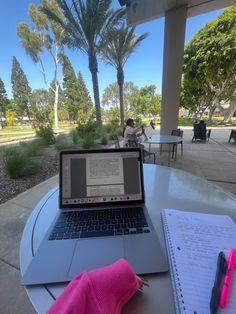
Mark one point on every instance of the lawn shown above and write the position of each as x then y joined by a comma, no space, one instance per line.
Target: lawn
16,130
12,133
215,121
19,132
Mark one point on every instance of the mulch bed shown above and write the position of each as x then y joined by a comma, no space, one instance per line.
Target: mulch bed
10,188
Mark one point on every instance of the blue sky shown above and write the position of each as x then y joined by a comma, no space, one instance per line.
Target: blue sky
143,68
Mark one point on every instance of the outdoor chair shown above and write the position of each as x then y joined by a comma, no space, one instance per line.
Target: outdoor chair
146,154
232,135
180,133
200,132
143,137
116,141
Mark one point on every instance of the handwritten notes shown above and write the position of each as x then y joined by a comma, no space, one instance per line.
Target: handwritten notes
193,242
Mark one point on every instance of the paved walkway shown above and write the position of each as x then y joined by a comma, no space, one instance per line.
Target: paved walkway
214,160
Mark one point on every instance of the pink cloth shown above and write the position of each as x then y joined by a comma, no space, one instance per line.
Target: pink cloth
100,291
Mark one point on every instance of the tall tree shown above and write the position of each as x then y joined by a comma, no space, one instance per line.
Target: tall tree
209,61
85,96
85,23
3,101
21,90
110,97
119,43
86,112
44,35
195,99
147,102
72,95
76,95
41,108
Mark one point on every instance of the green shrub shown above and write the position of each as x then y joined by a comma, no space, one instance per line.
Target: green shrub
33,148
75,136
108,128
10,118
88,142
104,140
8,151
18,164
120,132
98,133
112,130
63,141
111,136
115,132
115,121
46,133
87,129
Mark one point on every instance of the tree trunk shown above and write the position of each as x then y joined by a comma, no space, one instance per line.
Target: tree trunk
94,70
120,81
28,113
228,113
215,104
56,105
196,114
211,112
201,115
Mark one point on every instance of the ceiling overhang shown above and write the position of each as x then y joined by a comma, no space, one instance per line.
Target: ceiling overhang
140,11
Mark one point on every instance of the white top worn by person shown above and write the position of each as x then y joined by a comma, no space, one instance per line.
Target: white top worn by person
131,133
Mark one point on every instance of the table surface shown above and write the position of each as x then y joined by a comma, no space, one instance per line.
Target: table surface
163,139
164,188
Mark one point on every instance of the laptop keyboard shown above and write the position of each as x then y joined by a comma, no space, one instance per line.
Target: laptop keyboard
100,223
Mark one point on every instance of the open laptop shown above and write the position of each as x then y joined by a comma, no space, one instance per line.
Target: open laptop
102,218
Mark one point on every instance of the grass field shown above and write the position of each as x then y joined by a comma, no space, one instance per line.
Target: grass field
215,121
15,133
19,132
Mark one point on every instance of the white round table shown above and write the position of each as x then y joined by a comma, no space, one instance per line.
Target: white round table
164,139
164,188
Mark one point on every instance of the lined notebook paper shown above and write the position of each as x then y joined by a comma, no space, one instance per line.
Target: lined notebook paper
193,242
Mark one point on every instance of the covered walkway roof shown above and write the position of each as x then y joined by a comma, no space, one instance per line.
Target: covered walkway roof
140,11
175,12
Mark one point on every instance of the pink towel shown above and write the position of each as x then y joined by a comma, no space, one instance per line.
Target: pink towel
100,291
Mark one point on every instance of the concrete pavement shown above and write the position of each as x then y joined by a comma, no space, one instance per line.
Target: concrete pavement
13,216
214,160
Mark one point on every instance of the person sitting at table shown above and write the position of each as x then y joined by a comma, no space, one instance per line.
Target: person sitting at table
130,133
200,131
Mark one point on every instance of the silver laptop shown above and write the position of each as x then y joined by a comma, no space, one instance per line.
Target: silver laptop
102,218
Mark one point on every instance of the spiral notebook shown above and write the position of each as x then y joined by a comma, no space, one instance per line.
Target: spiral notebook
193,241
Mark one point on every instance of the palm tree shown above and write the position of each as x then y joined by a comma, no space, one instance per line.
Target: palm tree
117,46
86,22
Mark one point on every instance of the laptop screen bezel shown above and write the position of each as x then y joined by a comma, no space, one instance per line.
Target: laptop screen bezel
102,204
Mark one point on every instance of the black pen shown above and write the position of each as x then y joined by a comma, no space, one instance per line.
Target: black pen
216,290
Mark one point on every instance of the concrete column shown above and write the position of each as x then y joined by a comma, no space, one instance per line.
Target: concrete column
175,22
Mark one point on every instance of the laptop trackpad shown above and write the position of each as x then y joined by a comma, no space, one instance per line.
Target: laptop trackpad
95,253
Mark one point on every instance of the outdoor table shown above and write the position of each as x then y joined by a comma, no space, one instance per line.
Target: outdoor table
164,188
164,139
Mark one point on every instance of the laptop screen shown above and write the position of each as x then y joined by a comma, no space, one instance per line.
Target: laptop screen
101,177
